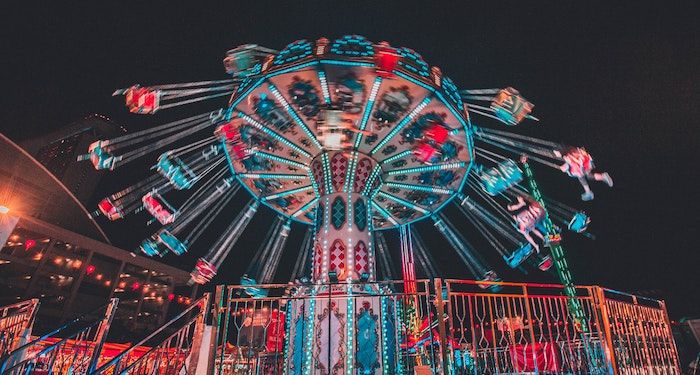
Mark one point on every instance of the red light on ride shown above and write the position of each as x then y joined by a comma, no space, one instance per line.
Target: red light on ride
135,285
437,133
90,269
171,297
29,243
386,59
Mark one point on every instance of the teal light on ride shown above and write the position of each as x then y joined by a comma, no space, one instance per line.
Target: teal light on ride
171,242
368,109
426,188
274,175
428,168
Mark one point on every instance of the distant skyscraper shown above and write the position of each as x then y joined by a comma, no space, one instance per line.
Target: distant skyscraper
58,152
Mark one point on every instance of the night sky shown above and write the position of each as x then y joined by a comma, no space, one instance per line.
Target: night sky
620,78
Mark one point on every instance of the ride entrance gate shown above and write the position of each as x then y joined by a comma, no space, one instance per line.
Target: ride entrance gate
486,328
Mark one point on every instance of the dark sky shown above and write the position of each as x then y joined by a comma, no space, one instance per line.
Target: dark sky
620,78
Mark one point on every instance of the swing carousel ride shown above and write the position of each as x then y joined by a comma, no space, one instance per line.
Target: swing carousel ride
350,138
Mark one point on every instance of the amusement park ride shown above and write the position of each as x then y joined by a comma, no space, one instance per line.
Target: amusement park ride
350,138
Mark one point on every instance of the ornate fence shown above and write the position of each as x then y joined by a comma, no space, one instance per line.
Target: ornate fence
16,322
527,328
174,347
73,348
359,327
486,328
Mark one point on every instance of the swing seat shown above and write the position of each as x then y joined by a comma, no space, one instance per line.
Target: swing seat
171,242
510,107
251,289
101,158
142,100
241,61
110,210
203,272
579,223
386,60
176,171
546,263
151,248
519,255
500,178
158,208
491,276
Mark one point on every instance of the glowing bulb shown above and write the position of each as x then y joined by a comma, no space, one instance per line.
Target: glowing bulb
4,209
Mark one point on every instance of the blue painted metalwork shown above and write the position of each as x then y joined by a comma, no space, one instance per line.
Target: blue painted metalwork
367,356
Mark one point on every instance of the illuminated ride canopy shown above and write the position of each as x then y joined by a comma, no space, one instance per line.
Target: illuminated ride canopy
350,138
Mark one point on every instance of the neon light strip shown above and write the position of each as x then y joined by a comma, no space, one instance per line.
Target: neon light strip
368,109
305,207
324,86
384,213
350,175
294,115
346,63
428,168
385,343
402,124
370,180
350,328
280,159
327,173
273,134
430,189
404,202
274,175
397,156
326,223
286,193
317,193
309,326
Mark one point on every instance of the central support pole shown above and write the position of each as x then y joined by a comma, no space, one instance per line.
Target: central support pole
343,248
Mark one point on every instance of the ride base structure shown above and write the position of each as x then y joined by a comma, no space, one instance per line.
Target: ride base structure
352,139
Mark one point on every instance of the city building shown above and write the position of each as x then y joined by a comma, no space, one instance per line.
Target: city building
58,152
53,250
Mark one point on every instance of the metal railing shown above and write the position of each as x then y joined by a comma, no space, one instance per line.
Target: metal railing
16,323
522,328
73,348
486,328
175,346
638,334
321,325
527,328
